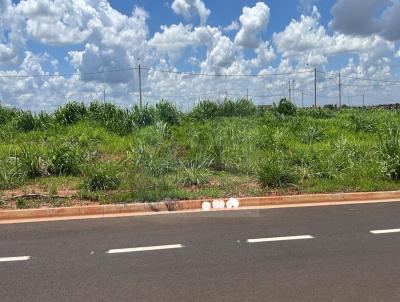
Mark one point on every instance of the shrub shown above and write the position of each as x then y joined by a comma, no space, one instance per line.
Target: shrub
390,151
99,178
360,122
276,172
31,163
65,160
167,113
311,135
25,122
245,107
111,117
7,114
330,107
143,116
9,176
194,174
241,107
320,113
286,107
154,160
205,110
70,113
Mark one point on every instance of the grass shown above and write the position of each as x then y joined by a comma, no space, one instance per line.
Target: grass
102,153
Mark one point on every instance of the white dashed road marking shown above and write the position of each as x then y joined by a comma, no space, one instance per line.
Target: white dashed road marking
13,259
273,239
389,231
147,248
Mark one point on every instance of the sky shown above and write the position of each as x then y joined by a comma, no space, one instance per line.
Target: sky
56,51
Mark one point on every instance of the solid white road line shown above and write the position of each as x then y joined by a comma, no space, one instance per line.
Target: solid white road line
279,239
12,259
389,231
147,248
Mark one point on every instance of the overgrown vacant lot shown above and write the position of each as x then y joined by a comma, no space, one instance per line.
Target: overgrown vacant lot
99,153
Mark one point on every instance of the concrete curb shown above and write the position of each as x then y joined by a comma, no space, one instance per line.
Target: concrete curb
105,210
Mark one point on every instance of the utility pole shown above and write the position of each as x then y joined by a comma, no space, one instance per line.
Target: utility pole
140,88
104,95
315,88
247,94
293,91
290,91
340,91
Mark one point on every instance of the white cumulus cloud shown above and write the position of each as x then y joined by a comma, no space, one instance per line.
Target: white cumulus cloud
189,8
253,21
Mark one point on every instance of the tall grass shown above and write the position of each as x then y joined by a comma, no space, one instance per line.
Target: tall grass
231,147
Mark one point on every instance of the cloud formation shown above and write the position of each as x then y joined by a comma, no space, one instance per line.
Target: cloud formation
103,39
189,8
367,17
253,21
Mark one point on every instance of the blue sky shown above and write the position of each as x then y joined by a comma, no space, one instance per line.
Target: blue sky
358,38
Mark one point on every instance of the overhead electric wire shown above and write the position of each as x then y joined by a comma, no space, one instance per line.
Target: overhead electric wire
360,78
148,69
68,74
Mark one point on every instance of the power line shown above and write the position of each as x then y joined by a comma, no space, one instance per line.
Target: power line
360,78
149,69
67,74
227,75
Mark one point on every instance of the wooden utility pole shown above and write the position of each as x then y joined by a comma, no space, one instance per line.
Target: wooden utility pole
340,91
140,88
104,95
315,88
293,92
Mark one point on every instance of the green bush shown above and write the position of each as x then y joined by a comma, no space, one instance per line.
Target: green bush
277,172
99,178
9,176
65,160
144,116
241,107
361,122
167,113
286,107
7,114
115,119
25,122
205,110
194,174
31,163
319,113
390,151
311,135
70,113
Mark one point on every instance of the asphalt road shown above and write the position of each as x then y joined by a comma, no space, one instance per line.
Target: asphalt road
208,257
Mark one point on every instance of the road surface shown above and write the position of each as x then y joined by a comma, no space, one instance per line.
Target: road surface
329,253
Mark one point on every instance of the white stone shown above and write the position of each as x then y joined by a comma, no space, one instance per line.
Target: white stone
206,206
